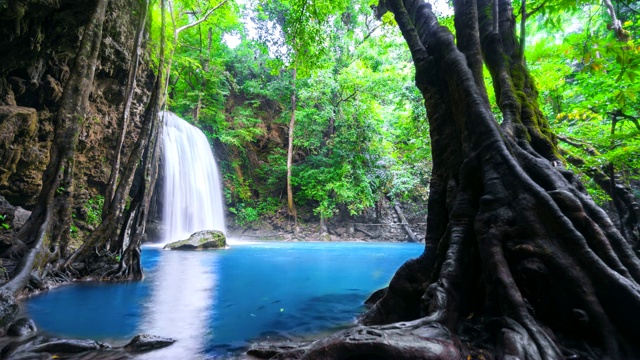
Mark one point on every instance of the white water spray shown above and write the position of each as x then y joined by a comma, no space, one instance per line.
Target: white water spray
192,188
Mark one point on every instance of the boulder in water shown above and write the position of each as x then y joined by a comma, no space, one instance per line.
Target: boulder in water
201,240
145,342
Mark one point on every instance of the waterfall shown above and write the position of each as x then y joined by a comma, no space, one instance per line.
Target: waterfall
192,189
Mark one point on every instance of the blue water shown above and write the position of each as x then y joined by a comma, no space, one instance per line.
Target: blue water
215,302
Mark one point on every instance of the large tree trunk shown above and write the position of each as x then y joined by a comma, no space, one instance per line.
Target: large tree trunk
519,262
48,226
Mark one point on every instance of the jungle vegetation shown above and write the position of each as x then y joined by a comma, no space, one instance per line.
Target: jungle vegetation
512,122
360,125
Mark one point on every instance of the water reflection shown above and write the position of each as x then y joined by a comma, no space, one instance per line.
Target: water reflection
179,306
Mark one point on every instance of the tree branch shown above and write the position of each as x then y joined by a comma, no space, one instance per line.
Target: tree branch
616,25
366,37
619,113
535,9
579,145
204,18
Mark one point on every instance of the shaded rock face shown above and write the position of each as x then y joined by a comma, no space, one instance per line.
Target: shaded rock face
7,212
23,157
39,42
201,240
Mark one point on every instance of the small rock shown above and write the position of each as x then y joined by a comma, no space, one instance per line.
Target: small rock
22,327
146,342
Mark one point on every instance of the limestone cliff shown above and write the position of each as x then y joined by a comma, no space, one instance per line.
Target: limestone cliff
39,45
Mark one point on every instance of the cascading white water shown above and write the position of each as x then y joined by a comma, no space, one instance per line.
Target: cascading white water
192,188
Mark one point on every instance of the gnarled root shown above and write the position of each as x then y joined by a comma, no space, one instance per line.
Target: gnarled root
431,341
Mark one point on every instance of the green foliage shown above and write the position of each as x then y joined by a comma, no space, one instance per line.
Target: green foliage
250,212
304,27
588,80
3,222
361,130
73,231
127,204
93,207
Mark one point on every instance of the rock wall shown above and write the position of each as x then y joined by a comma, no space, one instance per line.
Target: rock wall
39,39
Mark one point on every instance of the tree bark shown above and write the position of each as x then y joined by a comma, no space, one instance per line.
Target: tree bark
466,25
129,267
119,218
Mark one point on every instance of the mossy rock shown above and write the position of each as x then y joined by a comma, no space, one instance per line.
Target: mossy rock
201,240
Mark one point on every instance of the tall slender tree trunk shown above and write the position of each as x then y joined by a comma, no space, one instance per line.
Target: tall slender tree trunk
129,266
204,60
292,122
131,85
49,223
